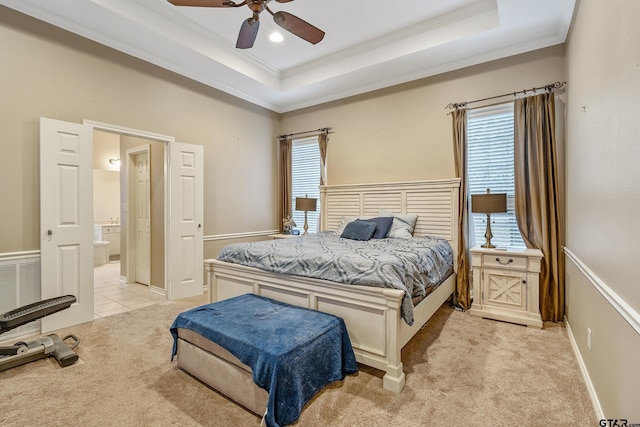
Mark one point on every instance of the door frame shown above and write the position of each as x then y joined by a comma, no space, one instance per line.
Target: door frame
131,240
122,130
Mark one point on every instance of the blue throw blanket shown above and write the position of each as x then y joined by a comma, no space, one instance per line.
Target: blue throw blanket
292,351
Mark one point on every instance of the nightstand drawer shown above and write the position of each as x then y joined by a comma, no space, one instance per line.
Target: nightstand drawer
504,261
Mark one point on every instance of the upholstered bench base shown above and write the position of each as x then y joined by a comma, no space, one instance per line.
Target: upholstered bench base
220,370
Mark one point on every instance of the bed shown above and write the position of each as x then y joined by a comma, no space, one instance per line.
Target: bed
373,315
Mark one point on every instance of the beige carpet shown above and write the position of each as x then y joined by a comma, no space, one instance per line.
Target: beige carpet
461,370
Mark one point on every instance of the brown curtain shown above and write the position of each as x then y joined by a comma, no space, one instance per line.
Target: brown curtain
460,157
538,207
323,138
285,179
322,142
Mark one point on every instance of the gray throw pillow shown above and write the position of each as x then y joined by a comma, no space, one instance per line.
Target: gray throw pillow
359,230
383,226
344,220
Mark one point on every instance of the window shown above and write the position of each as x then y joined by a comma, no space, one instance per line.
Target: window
490,165
305,179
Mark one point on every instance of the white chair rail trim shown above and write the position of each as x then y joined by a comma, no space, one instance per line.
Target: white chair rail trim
12,256
244,235
619,304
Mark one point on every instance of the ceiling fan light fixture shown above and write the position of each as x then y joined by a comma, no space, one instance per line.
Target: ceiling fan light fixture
276,37
249,28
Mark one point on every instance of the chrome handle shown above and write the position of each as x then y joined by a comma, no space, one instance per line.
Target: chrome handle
504,263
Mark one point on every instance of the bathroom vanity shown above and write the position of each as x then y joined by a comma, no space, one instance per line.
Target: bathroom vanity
109,233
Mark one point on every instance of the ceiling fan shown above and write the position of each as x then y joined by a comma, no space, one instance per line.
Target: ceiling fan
249,29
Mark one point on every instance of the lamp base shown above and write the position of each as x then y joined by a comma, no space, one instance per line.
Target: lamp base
305,223
488,234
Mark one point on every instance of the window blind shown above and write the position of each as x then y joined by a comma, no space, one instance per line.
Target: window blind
490,166
305,179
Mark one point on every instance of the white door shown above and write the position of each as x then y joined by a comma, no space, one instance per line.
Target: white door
186,214
142,200
66,219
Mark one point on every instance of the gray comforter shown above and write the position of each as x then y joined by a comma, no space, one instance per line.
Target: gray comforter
411,265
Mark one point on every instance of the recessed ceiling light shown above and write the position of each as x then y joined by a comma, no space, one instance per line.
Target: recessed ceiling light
276,37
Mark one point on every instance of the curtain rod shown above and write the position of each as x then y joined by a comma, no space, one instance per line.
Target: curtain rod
321,130
549,87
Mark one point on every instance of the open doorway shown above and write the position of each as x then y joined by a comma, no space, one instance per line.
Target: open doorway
66,216
129,212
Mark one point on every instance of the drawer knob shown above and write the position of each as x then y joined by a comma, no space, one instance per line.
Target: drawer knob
504,263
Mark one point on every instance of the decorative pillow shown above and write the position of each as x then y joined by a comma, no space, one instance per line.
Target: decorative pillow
403,225
343,223
383,226
359,230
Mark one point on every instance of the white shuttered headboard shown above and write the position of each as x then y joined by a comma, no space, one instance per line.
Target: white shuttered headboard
435,202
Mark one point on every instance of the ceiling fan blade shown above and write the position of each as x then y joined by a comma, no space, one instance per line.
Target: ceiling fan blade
202,3
283,1
299,27
248,33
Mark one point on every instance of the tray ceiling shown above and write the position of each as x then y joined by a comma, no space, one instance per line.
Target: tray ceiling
368,45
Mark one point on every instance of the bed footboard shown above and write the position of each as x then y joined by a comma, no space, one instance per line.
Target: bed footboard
372,315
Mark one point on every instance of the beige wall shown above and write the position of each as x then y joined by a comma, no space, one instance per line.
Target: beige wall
106,196
404,132
49,72
603,198
106,177
106,146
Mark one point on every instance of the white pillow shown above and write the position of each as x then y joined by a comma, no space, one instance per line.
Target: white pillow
402,226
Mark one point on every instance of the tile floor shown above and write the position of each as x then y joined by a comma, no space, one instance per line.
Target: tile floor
113,297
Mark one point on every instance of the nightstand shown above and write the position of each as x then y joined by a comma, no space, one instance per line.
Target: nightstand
283,236
506,285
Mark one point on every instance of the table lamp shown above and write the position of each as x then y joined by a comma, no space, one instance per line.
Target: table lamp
306,204
488,204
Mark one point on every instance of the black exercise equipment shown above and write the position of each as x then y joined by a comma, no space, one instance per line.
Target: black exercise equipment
50,345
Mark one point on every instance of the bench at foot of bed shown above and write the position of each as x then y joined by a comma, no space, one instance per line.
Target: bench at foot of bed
287,351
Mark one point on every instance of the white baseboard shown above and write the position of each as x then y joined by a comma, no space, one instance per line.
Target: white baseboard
621,315
585,374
